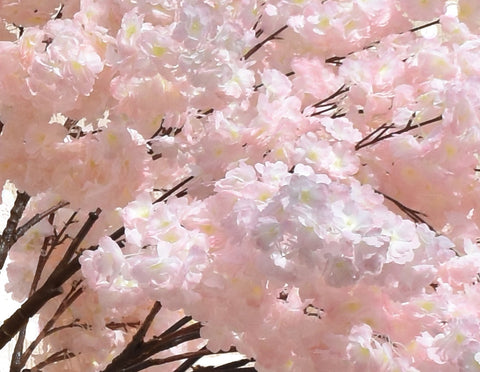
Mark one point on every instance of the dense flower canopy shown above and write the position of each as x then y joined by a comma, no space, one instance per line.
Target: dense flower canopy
324,162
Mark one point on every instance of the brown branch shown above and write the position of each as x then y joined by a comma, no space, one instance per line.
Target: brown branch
201,115
337,60
74,324
341,90
38,217
16,362
64,270
179,324
114,325
137,353
75,244
332,107
194,355
63,354
173,190
425,25
9,235
188,363
257,46
133,349
236,366
382,132
192,332
51,288
155,362
414,215
74,293
70,123
42,260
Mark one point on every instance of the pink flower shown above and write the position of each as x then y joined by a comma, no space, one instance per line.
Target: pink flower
104,265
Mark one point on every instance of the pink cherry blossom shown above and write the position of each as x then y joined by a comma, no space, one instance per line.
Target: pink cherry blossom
297,180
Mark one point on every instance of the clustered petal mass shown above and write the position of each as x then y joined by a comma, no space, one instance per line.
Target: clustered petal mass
331,218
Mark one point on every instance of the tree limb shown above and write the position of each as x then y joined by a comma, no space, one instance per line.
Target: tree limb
9,235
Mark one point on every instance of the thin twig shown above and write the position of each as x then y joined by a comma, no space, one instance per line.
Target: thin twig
155,362
63,354
425,25
50,289
16,362
341,90
38,217
9,235
131,352
412,213
153,346
337,60
74,293
382,132
139,351
173,190
42,259
188,363
179,324
256,47
92,218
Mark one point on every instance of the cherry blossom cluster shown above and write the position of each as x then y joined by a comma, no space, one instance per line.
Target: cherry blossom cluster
293,180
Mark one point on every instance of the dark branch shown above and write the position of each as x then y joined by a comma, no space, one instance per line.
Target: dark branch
201,115
38,217
383,132
75,244
55,357
50,289
256,47
149,348
173,190
175,327
134,348
414,215
425,25
74,293
155,362
337,60
339,91
9,235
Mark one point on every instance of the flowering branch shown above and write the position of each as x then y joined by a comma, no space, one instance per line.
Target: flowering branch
436,22
263,42
337,60
74,293
117,234
415,215
38,217
51,288
382,132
